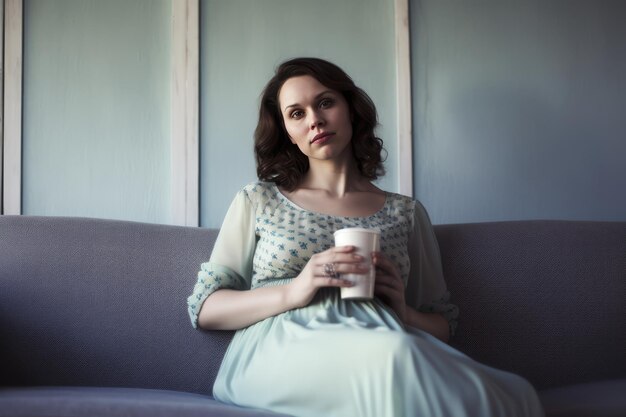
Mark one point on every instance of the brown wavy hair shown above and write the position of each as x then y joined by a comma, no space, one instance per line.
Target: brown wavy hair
280,161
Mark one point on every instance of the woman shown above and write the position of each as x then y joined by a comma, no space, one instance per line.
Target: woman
274,275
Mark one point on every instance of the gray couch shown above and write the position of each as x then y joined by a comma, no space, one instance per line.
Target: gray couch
93,320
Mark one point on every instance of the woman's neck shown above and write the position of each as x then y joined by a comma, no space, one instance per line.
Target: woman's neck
334,177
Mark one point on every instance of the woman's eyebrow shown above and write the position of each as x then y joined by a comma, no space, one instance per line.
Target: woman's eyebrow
315,98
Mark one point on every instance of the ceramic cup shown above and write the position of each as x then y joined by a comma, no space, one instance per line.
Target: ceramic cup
365,242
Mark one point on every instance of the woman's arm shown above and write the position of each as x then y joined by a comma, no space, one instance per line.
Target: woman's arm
390,288
433,323
231,309
426,290
227,309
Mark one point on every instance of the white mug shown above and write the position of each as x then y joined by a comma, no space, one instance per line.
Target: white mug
365,241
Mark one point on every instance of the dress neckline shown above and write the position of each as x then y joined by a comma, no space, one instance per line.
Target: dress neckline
287,201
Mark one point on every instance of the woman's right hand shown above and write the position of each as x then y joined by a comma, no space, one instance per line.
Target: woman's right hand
302,289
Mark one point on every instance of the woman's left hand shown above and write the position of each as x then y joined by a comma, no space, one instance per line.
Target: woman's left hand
389,286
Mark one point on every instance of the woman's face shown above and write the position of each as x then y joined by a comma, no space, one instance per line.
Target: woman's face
316,118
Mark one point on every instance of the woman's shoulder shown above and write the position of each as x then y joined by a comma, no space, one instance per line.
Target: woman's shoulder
259,192
400,201
256,187
408,207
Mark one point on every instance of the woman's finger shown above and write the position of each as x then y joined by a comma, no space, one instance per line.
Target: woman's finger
332,282
341,249
390,281
332,256
385,289
388,293
387,271
338,258
341,268
389,289
383,262
391,294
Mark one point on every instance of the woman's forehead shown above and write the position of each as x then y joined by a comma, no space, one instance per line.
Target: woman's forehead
301,88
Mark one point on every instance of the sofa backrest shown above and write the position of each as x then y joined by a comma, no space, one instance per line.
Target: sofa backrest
103,303
544,299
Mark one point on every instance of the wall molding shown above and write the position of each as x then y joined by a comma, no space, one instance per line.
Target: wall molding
184,108
403,94
12,108
1,100
184,113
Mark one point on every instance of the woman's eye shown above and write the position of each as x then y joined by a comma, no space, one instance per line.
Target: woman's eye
326,103
296,114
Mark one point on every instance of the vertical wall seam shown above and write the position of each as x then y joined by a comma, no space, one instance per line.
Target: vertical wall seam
12,108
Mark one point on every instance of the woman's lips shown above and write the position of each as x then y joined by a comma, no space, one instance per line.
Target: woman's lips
322,137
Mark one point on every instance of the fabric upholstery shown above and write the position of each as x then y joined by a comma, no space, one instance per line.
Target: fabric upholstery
544,299
113,402
595,399
103,303
88,303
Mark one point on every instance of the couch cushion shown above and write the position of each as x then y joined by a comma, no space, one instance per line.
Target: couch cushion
88,302
596,399
112,402
543,299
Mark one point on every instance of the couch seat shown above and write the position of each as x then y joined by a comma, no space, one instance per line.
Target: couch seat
595,399
113,402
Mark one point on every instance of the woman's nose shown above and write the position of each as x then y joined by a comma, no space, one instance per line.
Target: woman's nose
316,120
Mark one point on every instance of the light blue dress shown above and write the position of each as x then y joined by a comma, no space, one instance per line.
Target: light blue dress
338,357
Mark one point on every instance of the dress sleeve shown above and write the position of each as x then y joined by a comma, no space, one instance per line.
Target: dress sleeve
426,288
230,264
